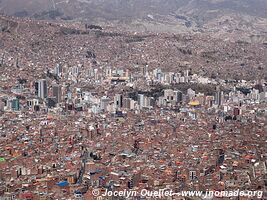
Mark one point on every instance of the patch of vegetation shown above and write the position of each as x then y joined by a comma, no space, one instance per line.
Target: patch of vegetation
245,91
134,39
72,31
185,51
93,27
107,34
158,90
207,89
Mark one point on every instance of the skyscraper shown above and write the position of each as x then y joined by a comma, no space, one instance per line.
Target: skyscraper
178,96
41,88
118,101
141,100
58,69
104,102
15,104
57,93
218,97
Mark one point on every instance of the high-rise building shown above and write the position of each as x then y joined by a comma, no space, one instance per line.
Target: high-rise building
191,93
178,96
15,104
32,102
58,69
57,93
236,111
219,97
132,104
104,102
151,102
109,72
169,95
127,103
209,101
2,105
2,60
173,97
145,70
141,100
41,88
118,101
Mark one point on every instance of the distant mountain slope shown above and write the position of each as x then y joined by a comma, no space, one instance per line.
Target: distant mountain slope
118,9
220,16
43,43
